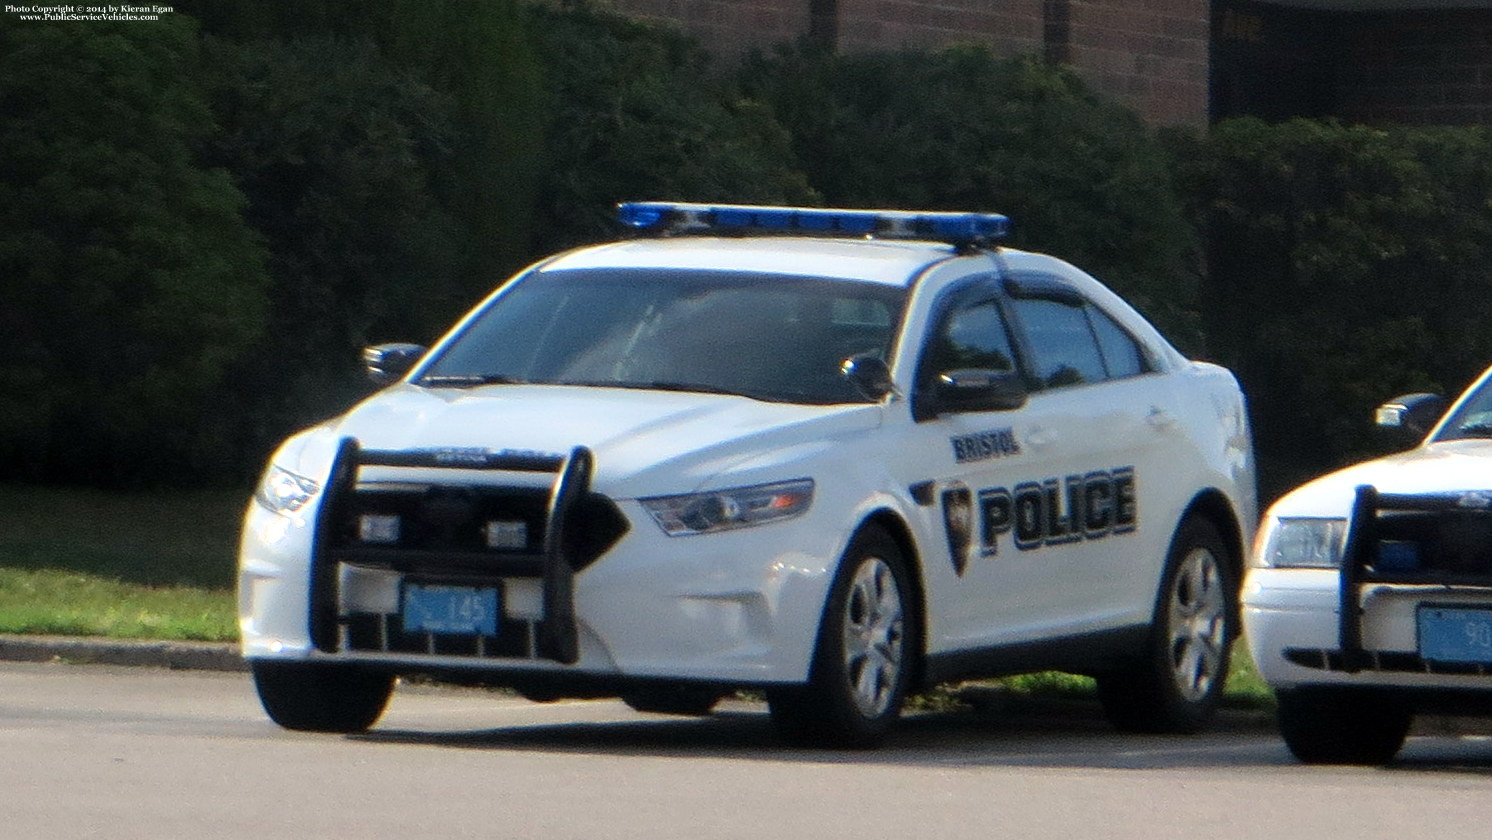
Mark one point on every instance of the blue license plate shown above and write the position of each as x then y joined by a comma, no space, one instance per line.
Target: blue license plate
450,610
1450,634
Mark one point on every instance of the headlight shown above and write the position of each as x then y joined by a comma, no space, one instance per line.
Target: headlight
282,491
701,513
1304,543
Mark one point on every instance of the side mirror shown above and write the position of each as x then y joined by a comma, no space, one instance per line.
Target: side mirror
870,375
387,363
978,389
1409,417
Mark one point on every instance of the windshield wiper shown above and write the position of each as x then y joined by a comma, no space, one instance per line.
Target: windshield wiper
468,380
1476,430
693,387
669,385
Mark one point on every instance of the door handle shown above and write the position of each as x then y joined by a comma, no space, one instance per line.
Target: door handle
1041,438
1159,418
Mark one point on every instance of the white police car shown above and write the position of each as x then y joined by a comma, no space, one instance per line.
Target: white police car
1369,596
833,455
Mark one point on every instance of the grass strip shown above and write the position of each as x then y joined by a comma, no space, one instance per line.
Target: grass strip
62,603
141,565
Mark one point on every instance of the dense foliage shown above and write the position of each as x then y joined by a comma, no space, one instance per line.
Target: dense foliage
131,283
203,219
636,112
336,152
960,129
1348,265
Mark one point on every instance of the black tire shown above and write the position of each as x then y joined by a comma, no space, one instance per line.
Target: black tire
1343,726
315,697
864,657
1175,686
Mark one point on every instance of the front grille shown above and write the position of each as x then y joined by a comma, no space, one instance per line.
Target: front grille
1437,545
1381,661
470,531
384,633
442,529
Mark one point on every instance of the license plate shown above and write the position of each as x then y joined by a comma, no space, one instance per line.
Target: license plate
450,610
1449,634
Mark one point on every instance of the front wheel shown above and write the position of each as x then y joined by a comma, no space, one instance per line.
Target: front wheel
1342,726
318,697
862,663
1175,687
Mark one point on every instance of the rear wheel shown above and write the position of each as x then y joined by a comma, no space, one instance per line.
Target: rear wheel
1176,686
317,697
1343,726
863,662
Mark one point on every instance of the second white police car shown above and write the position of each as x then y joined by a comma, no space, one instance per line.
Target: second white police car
833,455
1369,599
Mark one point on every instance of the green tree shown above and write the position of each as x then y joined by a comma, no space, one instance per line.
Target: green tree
477,56
636,112
481,56
961,129
1348,265
130,281
336,149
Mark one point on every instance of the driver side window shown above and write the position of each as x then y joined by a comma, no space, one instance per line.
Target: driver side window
971,336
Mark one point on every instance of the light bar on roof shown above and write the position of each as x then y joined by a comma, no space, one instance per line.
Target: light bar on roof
942,226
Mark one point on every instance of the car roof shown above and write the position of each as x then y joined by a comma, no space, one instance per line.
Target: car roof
889,262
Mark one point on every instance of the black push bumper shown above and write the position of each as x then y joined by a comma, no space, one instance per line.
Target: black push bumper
440,539
1411,540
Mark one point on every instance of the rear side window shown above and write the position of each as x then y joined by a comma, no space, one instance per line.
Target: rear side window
1071,341
1122,355
1064,350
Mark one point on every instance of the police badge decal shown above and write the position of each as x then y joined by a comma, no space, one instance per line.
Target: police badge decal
958,521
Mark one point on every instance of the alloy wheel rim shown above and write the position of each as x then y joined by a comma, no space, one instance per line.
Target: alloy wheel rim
1198,624
873,637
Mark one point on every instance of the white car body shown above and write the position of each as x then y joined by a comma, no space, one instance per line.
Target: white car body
743,606
1345,602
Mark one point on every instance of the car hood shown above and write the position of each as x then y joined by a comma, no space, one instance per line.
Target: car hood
1447,467
644,442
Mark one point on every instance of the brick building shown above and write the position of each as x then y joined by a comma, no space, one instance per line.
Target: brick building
1177,62
1425,62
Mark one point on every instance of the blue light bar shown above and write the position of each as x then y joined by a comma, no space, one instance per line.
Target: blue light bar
677,217
641,216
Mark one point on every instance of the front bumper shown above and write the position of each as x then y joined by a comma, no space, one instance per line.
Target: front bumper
738,608
1292,624
1361,624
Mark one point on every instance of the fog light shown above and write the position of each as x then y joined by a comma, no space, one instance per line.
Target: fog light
507,534
378,528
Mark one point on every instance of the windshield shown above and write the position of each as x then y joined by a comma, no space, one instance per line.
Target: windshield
1474,418
761,336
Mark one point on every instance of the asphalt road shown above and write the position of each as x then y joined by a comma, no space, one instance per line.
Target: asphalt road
115,752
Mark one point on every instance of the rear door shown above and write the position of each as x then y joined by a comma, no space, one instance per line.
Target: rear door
1103,427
